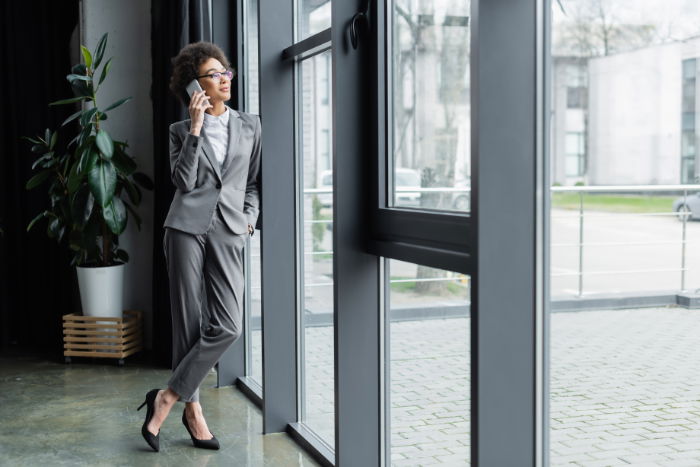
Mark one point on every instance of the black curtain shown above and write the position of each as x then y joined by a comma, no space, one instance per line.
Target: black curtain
37,283
174,24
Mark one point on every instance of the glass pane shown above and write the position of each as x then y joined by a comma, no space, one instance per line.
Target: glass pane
316,244
430,107
428,372
254,290
313,16
250,77
623,364
255,315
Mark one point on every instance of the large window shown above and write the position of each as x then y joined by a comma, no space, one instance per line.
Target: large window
623,389
430,139
253,277
315,246
428,149
416,306
428,369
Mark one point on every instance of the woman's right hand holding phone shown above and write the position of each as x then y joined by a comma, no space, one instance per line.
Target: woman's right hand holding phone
198,104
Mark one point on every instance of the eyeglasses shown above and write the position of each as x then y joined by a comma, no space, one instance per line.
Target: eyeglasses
229,74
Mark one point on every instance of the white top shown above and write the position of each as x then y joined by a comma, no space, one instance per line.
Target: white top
217,132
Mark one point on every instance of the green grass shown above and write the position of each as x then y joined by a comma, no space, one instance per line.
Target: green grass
323,256
614,203
452,286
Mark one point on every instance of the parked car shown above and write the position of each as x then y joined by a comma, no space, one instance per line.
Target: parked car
461,200
687,207
405,179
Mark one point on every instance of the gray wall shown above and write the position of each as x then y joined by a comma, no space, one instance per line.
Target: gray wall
128,23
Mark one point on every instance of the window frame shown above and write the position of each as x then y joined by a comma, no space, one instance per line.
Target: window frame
509,382
439,239
509,176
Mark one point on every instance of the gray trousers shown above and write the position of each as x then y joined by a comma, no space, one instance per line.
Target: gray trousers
203,266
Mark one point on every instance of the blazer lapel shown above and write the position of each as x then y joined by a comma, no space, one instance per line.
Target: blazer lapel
234,134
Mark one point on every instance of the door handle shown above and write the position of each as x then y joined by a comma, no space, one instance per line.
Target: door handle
358,19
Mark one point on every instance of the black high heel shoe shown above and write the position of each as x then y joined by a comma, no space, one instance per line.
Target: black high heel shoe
200,443
151,439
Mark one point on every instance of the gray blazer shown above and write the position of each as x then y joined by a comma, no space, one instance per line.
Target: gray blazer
202,184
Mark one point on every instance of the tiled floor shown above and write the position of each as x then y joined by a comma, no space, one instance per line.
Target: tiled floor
85,414
625,390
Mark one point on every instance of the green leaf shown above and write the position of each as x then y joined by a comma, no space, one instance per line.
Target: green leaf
38,148
134,194
71,118
115,215
123,255
102,116
72,77
136,216
100,50
104,143
102,179
93,157
117,104
143,180
123,162
61,232
53,228
47,136
105,70
86,55
43,158
38,216
79,69
32,140
74,140
84,135
82,88
88,157
75,178
87,116
82,205
53,140
38,179
66,160
68,101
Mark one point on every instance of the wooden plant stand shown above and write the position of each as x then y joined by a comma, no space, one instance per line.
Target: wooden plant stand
84,336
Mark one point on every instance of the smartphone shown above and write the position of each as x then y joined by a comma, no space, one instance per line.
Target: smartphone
192,87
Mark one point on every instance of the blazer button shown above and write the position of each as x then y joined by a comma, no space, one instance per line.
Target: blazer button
218,184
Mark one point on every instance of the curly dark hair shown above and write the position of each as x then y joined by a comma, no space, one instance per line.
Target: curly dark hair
186,66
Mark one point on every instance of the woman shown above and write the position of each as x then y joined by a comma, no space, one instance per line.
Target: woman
214,162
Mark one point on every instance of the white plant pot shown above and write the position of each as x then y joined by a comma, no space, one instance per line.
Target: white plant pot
101,290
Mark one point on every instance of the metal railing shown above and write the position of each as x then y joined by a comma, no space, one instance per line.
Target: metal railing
636,189
580,244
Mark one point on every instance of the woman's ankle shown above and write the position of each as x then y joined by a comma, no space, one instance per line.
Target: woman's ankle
169,396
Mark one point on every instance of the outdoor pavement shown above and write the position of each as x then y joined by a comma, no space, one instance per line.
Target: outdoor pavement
625,389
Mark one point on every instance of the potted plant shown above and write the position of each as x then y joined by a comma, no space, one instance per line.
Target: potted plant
93,187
